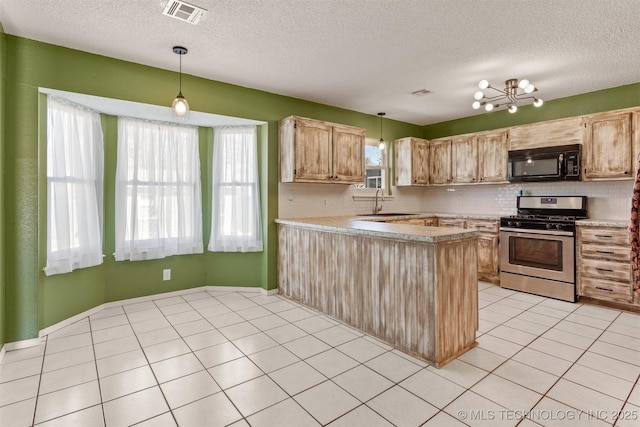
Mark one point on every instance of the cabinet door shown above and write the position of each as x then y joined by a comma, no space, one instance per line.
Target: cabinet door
411,161
464,159
420,161
312,150
493,153
488,259
348,154
608,150
440,165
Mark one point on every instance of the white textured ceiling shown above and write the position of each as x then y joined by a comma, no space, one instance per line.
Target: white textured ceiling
363,55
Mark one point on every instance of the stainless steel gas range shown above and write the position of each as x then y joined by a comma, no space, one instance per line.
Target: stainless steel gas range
537,246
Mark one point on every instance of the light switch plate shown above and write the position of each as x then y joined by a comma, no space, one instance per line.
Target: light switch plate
166,274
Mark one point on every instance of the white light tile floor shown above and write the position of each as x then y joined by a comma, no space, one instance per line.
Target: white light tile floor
244,359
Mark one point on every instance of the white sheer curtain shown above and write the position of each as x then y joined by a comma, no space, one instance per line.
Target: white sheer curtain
235,219
74,187
158,196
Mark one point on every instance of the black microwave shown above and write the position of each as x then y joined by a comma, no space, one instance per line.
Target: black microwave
560,163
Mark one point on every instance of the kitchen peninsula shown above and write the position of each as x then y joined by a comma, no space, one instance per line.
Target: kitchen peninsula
414,287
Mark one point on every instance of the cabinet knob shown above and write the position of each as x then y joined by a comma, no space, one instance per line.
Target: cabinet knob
626,172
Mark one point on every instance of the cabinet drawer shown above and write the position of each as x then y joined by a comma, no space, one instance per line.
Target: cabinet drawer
450,222
610,270
483,225
606,251
605,289
413,221
614,236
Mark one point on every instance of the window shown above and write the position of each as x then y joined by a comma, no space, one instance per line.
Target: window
236,224
375,163
158,196
74,187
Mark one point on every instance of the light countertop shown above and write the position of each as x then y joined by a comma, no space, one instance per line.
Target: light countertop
374,228
617,223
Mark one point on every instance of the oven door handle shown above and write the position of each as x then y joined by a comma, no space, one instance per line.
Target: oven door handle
543,232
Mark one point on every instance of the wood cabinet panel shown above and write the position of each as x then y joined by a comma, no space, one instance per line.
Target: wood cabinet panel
312,151
609,148
486,226
348,154
606,290
411,161
609,270
316,151
451,222
606,251
440,165
493,154
464,159
547,134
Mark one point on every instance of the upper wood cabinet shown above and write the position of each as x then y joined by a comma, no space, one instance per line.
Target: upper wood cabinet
412,161
440,162
316,151
493,153
609,150
464,159
547,134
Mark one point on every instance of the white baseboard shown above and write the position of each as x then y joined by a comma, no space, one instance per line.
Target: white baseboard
17,345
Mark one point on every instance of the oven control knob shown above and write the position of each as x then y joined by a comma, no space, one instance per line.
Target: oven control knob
549,226
559,226
518,224
509,223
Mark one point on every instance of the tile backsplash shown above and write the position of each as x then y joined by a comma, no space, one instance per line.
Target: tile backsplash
606,199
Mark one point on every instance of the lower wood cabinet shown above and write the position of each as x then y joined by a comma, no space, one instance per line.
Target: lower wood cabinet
604,264
488,249
488,245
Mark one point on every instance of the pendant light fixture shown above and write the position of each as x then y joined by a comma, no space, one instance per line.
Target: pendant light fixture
180,105
382,144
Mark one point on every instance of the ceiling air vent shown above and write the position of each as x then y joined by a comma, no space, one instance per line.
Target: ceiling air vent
184,11
421,92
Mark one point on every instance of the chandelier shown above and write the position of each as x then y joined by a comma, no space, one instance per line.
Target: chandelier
514,91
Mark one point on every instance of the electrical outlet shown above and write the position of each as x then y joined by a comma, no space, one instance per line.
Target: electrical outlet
166,274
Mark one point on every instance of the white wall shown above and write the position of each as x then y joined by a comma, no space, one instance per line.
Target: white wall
607,200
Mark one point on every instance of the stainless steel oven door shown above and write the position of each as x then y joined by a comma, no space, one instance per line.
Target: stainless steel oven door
548,255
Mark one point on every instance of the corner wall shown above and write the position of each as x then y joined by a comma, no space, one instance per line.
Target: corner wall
2,192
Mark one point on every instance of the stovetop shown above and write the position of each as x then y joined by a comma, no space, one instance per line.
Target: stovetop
547,213
555,218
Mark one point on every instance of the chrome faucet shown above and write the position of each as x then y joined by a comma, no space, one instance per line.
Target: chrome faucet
377,208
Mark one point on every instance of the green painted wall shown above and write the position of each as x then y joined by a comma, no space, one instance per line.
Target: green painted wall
2,196
588,103
34,301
